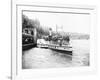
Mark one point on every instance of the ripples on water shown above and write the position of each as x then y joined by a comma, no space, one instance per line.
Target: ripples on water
46,58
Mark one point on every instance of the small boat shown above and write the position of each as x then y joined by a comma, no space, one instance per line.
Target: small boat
42,46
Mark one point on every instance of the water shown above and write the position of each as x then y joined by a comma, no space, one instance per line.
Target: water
46,58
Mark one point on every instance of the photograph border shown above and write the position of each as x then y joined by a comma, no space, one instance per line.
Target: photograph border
17,32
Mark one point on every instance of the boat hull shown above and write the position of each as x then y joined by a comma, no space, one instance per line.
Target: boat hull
62,51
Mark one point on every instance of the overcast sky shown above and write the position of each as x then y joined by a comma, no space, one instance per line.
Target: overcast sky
71,22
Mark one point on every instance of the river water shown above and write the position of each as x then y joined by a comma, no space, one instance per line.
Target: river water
46,58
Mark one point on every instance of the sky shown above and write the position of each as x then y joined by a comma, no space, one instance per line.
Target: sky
79,23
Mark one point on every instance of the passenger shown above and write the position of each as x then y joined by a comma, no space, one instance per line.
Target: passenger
68,39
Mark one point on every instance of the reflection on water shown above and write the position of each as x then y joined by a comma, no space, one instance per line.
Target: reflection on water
46,58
